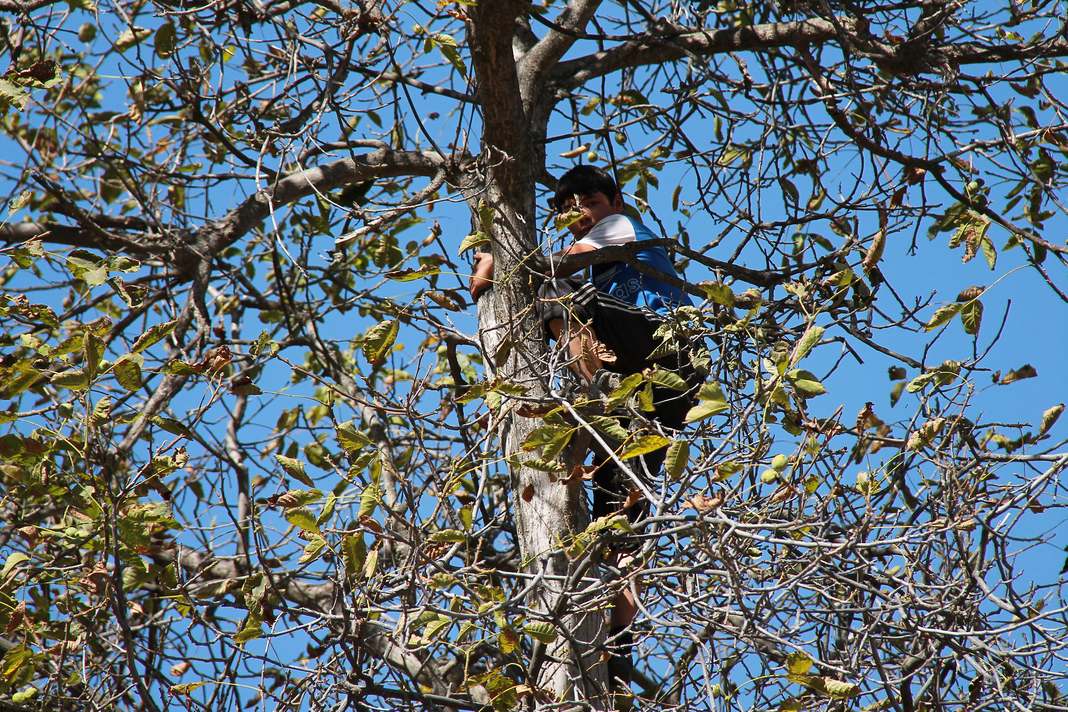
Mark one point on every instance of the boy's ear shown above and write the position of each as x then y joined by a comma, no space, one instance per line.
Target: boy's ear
617,202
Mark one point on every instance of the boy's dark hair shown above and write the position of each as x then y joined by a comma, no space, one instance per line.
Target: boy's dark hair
583,180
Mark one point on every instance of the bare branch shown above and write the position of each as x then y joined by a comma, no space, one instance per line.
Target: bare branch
548,51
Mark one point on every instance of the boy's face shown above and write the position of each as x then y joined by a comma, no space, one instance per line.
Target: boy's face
594,207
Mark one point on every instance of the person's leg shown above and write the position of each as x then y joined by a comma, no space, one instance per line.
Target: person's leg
588,354
565,307
611,495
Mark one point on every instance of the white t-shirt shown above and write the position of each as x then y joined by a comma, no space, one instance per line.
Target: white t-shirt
613,230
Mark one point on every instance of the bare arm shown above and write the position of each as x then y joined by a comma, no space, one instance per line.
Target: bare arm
482,275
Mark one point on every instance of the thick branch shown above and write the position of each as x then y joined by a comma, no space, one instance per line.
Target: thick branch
72,235
385,162
972,53
548,51
674,43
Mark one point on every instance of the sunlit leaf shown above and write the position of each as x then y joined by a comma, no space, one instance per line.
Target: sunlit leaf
154,335
477,239
677,457
1049,417
810,338
644,444
542,631
971,316
295,469
942,316
379,339
127,371
302,518
130,37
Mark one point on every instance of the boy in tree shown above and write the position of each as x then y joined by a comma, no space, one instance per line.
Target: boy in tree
609,325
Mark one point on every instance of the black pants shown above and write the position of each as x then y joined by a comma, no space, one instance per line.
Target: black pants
630,332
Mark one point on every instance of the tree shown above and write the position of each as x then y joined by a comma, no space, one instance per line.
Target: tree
256,453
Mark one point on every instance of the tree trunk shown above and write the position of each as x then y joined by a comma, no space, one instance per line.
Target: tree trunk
549,507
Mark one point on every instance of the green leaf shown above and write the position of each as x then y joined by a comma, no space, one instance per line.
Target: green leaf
90,268
350,438
328,508
542,631
626,387
177,367
354,551
127,371
435,628
508,642
312,550
645,398
13,559
153,336
410,275
805,383
989,251
94,351
668,379
371,565
172,426
733,153
165,40
131,37
475,239
705,409
798,663
448,48
644,444
378,340
12,94
448,536
122,263
369,500
809,339
295,469
252,629
829,687
302,518
710,401
610,427
15,659
676,459
187,688
75,379
546,435
971,316
300,498
789,189
718,293
942,316
1049,417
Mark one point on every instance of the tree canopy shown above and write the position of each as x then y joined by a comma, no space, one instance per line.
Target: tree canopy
259,449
